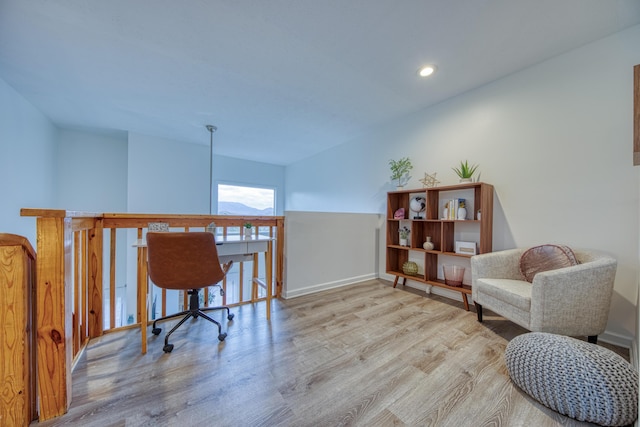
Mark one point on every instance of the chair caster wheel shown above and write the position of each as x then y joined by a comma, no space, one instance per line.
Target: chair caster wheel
167,348
230,316
222,336
156,331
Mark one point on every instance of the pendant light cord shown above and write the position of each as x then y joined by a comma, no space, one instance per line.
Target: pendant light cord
211,130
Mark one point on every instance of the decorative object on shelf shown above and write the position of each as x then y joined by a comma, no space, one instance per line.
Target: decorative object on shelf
445,211
404,235
428,245
453,275
157,226
479,214
418,205
465,172
400,171
429,181
399,214
462,210
466,248
211,228
247,230
410,268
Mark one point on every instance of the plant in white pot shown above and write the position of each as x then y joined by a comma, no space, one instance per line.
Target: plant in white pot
465,172
248,228
404,236
400,171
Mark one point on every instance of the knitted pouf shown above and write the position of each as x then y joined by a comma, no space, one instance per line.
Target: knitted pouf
575,378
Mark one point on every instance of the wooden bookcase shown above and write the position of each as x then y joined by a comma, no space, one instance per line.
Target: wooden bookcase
443,232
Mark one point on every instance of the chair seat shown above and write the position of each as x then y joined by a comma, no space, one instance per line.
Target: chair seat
513,292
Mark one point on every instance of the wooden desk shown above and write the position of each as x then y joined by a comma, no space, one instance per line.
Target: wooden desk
232,248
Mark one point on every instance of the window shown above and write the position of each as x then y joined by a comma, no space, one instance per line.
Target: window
242,200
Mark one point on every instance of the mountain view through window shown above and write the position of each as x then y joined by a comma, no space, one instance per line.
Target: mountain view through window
239,200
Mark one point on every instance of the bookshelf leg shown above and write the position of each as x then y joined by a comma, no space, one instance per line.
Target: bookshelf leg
395,282
465,301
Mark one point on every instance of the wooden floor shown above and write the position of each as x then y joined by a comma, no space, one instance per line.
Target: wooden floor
365,355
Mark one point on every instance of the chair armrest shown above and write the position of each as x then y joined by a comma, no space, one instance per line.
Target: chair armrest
578,297
497,265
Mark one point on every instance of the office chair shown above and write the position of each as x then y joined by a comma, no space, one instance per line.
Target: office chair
185,261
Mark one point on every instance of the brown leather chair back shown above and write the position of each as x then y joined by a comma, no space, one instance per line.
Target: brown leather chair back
187,260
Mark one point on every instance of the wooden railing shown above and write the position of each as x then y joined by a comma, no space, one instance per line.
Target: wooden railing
69,287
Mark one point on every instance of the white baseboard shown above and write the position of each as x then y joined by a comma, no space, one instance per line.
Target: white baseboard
617,339
326,286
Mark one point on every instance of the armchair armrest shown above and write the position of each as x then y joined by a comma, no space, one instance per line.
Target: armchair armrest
573,298
497,265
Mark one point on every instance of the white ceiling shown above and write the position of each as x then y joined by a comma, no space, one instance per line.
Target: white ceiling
281,79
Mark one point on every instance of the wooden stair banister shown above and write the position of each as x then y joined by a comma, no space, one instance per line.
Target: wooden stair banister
17,343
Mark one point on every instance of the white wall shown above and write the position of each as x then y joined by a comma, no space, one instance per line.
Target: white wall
554,139
328,250
167,176
173,177
91,171
27,153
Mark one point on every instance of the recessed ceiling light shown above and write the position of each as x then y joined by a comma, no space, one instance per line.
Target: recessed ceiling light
427,70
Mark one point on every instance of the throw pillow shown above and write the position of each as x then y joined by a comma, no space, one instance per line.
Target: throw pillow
544,258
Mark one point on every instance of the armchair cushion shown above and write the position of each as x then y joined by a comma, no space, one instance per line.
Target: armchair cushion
544,258
514,292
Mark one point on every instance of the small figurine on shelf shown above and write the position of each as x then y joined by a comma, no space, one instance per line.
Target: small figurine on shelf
462,211
404,236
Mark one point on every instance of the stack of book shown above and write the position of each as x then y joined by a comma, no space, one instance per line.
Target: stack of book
452,207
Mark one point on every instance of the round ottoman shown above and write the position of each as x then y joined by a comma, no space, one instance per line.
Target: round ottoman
575,378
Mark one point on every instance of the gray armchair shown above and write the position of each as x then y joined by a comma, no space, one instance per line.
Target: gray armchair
571,301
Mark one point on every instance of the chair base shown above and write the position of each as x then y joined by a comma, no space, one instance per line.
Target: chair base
194,311
593,339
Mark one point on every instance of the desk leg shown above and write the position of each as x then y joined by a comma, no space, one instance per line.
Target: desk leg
269,274
254,285
142,296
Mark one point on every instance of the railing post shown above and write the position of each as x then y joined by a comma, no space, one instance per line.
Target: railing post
54,295
279,256
95,279
17,350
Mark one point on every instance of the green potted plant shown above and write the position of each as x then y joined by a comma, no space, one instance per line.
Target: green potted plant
400,171
465,172
404,235
247,229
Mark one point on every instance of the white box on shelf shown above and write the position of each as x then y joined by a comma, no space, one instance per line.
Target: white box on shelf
466,248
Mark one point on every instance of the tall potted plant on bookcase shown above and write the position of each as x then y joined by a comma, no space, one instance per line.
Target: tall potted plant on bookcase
400,171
